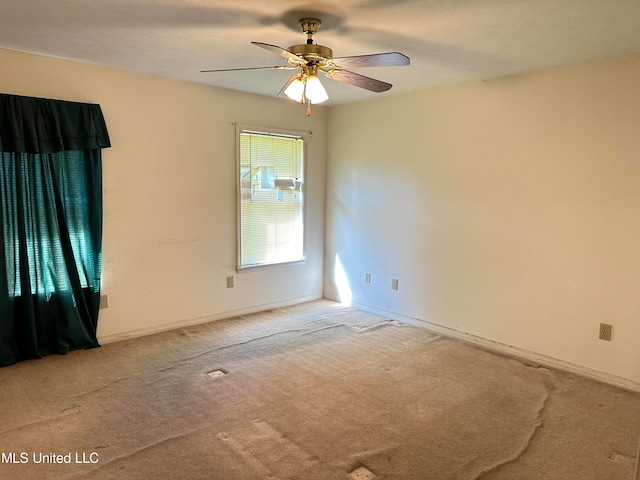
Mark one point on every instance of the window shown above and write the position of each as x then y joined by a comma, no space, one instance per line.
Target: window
270,197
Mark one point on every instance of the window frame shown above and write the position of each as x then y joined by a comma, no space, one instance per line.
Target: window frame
278,132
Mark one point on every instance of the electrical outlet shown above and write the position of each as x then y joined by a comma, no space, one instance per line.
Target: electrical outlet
394,284
367,278
605,332
230,283
104,301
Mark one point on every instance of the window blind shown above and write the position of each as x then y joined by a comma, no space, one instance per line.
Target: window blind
271,181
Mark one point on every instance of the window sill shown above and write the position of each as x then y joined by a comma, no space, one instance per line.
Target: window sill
266,266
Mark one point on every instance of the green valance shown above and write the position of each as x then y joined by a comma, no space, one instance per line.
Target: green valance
38,125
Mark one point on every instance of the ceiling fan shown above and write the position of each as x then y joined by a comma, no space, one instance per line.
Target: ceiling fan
310,58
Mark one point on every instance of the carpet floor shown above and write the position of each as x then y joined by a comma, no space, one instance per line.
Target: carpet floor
317,391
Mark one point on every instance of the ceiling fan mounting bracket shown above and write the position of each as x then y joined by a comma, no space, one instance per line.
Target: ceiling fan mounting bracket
310,26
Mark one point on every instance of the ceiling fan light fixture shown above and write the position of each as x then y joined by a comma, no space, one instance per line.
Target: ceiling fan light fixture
314,90
295,90
304,86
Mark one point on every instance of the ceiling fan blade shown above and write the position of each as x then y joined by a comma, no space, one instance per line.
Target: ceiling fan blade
389,59
280,51
277,67
361,81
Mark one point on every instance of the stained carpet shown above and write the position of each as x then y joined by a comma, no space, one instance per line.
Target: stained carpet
317,391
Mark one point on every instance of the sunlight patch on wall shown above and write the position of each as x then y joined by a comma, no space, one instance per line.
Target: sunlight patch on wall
342,282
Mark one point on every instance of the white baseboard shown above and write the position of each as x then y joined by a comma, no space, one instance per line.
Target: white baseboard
526,355
142,332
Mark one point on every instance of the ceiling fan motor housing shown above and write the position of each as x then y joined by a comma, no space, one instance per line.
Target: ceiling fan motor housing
311,52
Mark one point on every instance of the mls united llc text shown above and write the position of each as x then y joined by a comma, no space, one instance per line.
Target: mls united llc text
39,457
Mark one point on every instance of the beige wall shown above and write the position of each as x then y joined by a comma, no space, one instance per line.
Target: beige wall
169,193
508,210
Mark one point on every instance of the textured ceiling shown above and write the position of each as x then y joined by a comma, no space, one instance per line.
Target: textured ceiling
448,41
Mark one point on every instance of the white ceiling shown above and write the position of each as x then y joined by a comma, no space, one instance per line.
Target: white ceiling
448,41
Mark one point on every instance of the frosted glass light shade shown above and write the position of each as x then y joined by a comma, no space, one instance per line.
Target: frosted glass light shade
295,90
315,92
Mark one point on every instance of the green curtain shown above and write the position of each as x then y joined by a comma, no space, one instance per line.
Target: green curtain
51,235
